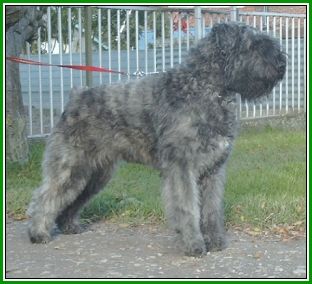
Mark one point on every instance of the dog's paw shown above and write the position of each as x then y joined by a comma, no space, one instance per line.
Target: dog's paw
196,248
215,244
39,238
71,228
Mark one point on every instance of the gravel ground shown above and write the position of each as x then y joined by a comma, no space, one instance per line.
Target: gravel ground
119,251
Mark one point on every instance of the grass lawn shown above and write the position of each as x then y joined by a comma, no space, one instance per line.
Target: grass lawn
266,184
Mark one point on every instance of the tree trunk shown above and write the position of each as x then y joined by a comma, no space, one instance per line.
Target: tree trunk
22,26
15,123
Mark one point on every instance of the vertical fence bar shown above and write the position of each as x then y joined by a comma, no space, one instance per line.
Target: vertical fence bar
203,25
155,41
128,42
80,41
298,64
246,102
109,42
187,32
267,31
274,89
267,24
171,39
60,39
163,41
286,96
137,39
293,64
247,108
50,68
240,105
29,92
261,29
88,43
180,38
118,44
281,83
198,15
40,82
305,65
234,17
234,13
100,42
69,18
145,41
253,104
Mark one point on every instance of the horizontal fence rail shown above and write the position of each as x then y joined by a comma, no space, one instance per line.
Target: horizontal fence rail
141,41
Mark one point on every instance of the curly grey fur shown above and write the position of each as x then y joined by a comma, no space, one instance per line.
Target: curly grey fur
181,122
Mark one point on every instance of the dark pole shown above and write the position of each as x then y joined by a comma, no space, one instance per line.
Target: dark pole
88,43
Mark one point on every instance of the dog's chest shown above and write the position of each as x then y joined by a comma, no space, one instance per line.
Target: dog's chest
214,117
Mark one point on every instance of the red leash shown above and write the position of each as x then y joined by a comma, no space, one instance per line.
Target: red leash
76,67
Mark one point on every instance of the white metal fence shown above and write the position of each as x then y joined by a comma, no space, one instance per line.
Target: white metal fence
145,39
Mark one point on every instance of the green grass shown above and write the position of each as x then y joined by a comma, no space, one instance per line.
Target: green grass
266,184
133,195
21,180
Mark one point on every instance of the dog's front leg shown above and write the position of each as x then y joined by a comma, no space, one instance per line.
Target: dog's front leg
211,186
180,194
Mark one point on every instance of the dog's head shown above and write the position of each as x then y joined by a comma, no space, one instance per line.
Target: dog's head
252,62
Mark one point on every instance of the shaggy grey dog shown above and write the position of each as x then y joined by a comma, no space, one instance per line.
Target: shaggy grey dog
181,122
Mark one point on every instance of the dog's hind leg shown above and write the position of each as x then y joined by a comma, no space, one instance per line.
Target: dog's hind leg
180,194
68,220
212,216
49,200
66,174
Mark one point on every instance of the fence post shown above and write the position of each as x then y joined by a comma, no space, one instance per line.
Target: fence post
88,43
234,14
234,17
198,21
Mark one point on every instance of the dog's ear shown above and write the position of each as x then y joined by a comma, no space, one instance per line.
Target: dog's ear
226,36
218,31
